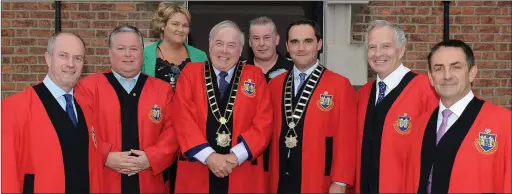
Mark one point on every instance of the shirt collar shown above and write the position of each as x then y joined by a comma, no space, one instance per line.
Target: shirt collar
459,106
54,88
296,71
121,78
394,78
230,71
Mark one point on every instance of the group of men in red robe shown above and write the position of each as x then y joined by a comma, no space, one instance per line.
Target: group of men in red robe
403,132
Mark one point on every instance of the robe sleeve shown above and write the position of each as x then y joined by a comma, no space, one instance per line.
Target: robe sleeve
185,124
164,152
85,93
507,182
343,169
508,170
257,136
12,124
412,169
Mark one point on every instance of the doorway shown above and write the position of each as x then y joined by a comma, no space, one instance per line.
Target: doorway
205,14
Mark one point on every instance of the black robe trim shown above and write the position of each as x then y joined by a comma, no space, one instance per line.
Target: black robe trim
443,155
74,142
290,169
129,103
216,184
28,184
372,135
281,63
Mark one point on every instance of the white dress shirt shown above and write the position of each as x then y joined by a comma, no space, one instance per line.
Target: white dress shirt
58,93
456,109
296,77
392,80
239,150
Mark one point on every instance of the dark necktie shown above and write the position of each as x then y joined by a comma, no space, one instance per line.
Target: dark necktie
69,108
223,84
382,91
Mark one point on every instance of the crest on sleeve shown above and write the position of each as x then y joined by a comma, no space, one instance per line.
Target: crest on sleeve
403,124
93,135
249,88
155,114
486,143
325,103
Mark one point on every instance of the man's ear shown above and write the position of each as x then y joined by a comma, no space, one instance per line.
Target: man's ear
47,59
472,73
277,39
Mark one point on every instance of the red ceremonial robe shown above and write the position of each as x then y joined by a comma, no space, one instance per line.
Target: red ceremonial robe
139,120
473,156
42,151
384,132
196,128
326,134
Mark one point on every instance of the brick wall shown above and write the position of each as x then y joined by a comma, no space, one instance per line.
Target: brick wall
27,25
485,25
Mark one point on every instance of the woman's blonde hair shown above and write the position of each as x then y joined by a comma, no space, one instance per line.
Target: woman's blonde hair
163,13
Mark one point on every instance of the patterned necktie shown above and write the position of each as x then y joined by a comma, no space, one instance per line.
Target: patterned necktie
382,91
69,108
442,130
223,84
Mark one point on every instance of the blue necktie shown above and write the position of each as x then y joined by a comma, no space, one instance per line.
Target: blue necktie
223,84
382,91
69,108
302,77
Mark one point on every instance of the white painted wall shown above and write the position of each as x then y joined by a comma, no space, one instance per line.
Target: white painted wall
340,56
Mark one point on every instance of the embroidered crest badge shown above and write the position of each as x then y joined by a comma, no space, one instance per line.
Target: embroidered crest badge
249,88
487,143
403,124
325,103
93,135
155,114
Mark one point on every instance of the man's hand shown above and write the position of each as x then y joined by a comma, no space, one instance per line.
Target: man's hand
142,161
122,162
335,188
232,160
218,164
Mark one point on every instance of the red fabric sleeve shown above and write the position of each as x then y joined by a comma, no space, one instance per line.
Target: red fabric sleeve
163,153
84,93
343,169
185,123
258,135
12,124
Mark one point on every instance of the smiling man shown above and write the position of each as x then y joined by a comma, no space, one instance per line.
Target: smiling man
48,145
223,119
463,146
313,145
131,117
263,40
388,109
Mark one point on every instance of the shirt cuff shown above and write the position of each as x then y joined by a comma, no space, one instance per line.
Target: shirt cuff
240,152
340,184
203,154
